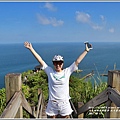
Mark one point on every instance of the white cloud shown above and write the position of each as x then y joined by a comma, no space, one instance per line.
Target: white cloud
102,17
111,30
97,27
55,22
50,7
49,21
83,17
43,20
103,20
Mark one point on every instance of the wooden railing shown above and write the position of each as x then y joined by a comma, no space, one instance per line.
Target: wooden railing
16,100
110,96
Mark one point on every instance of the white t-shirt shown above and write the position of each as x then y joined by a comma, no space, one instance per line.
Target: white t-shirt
58,82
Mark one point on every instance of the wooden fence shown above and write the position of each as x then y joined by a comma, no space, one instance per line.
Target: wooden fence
110,96
16,100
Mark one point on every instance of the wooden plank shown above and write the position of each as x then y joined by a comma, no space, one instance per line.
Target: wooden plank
114,79
80,104
40,112
13,83
114,82
114,96
73,107
101,98
42,107
27,106
110,78
39,104
33,111
114,111
108,103
12,107
106,75
88,75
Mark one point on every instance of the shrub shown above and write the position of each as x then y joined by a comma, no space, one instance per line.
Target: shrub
2,100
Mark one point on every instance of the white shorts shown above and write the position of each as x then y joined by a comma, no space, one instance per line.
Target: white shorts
58,107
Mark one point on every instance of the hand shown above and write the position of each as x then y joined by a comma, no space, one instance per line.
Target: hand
88,46
28,45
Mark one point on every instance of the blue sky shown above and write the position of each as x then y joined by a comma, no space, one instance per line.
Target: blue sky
59,21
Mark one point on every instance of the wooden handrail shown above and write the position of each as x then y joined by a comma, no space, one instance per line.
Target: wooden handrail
101,98
16,99
27,106
40,104
114,96
12,107
106,95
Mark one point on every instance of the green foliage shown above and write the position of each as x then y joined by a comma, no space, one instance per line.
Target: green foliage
33,83
2,100
80,90
83,91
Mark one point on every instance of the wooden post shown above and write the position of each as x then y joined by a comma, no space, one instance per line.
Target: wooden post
80,104
39,102
13,84
114,82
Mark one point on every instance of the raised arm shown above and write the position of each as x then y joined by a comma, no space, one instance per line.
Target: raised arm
36,55
80,58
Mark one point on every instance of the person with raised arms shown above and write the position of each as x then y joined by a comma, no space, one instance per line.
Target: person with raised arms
58,82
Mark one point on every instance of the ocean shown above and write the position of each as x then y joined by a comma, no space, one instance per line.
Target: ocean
15,58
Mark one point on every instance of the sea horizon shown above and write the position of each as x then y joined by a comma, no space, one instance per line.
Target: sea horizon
52,42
